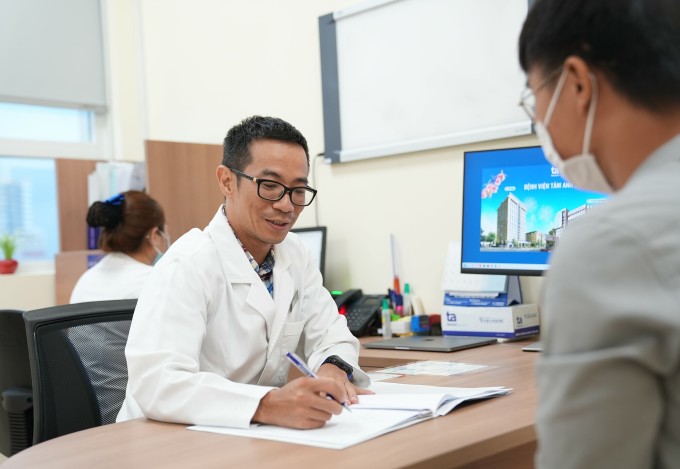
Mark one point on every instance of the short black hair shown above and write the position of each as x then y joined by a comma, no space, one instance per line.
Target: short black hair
635,43
237,142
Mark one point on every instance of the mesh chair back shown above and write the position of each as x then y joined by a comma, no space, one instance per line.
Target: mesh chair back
77,356
16,397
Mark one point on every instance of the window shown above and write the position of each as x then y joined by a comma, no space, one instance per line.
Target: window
53,103
28,206
44,123
47,131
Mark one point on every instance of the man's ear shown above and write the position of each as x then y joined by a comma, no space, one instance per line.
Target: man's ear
579,82
226,180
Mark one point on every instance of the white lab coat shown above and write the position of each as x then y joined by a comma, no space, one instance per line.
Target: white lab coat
207,340
116,276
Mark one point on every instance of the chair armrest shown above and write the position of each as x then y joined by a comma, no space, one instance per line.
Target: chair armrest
18,402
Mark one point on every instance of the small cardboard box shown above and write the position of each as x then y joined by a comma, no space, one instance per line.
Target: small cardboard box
504,321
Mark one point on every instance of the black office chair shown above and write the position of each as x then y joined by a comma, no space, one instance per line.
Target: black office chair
77,356
16,397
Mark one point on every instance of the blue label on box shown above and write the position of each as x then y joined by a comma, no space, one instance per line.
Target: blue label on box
452,300
506,335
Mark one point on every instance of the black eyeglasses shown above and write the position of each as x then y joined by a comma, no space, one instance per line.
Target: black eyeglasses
274,191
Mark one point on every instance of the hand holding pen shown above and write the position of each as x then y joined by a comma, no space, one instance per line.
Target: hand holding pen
307,371
301,403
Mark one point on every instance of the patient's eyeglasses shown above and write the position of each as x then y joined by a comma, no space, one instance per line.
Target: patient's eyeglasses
528,97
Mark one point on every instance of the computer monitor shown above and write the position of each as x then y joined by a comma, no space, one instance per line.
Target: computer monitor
315,240
516,206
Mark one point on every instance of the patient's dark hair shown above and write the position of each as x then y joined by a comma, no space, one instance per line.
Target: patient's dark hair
237,142
635,43
126,220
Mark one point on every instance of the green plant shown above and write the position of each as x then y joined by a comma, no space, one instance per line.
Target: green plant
8,244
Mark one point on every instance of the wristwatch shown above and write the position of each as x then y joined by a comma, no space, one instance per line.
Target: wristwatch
340,363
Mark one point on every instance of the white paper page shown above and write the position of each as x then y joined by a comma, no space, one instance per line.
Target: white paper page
425,401
122,173
92,188
436,399
342,431
381,376
396,388
432,367
102,175
350,428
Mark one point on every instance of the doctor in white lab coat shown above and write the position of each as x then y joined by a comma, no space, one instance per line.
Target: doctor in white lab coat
208,340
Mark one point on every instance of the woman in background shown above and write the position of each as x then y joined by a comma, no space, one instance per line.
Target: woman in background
133,238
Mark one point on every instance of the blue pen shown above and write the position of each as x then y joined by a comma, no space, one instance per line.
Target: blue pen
393,299
307,371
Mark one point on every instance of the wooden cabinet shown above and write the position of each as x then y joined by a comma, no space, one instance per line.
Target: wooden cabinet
72,202
182,178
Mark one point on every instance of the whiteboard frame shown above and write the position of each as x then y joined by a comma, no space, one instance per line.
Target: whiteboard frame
334,153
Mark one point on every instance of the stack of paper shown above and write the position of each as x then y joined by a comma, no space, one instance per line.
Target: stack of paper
434,399
111,178
394,406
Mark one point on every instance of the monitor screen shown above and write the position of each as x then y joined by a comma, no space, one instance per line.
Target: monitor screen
516,207
315,240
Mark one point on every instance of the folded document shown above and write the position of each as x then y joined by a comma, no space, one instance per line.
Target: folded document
436,400
394,406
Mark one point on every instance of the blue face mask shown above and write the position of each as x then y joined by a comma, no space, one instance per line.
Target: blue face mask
160,253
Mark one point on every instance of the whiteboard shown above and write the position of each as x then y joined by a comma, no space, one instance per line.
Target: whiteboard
413,75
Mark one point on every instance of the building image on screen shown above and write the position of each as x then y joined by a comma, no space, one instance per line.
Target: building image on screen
516,207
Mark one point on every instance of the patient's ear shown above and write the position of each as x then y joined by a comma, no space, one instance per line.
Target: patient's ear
580,82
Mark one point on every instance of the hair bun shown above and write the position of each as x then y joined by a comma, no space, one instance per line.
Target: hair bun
103,214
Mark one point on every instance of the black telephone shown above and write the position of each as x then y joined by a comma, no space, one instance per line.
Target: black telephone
362,311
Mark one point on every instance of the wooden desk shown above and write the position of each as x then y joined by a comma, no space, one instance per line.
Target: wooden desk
494,433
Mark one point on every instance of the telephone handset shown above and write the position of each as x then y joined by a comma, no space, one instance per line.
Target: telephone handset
361,311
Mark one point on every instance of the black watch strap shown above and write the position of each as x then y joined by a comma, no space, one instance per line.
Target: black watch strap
340,363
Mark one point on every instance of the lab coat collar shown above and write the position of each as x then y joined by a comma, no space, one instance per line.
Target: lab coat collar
285,294
237,270
233,261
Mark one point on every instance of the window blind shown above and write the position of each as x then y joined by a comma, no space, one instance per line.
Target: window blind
51,53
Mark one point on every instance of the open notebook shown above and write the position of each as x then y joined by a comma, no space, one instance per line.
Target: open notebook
394,406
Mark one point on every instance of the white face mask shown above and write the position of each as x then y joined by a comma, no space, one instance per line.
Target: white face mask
580,170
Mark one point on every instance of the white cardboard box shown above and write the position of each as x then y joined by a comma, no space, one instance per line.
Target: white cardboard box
492,321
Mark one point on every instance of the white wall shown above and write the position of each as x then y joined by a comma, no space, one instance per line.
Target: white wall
207,64
125,81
